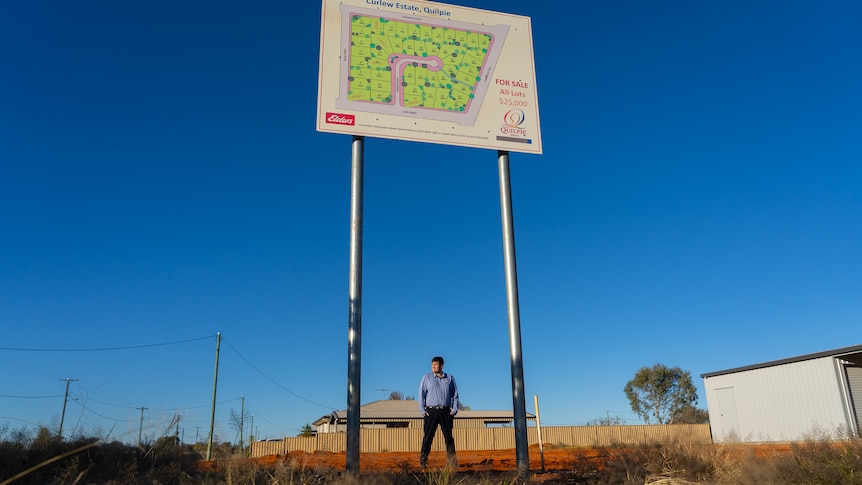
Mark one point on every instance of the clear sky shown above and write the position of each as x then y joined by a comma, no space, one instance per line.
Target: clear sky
161,180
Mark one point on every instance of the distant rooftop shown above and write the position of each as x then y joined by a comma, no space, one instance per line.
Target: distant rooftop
409,409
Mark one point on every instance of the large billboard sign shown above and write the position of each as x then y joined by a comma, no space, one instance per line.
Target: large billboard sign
430,72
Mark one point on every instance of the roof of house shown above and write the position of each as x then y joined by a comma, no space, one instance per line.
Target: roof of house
409,409
851,354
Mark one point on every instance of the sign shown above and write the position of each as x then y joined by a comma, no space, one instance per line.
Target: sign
429,72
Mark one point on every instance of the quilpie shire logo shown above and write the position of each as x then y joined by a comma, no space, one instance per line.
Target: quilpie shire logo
340,119
512,121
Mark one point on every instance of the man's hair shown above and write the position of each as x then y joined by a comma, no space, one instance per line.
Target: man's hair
437,359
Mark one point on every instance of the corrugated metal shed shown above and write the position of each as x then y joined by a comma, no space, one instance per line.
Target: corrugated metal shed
787,399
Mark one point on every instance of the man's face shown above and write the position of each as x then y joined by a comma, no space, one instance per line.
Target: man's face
436,367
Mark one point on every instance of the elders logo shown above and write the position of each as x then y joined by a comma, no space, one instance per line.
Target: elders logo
340,119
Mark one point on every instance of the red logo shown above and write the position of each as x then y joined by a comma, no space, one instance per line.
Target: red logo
340,119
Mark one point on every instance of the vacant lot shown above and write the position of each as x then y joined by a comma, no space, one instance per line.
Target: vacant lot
553,459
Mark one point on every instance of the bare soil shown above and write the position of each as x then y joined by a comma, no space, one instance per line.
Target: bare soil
550,460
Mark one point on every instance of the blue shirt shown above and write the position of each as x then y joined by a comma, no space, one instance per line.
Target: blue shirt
438,391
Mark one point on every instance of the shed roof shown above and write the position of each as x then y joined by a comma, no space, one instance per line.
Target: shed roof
851,354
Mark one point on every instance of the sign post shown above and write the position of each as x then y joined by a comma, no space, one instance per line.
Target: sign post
435,73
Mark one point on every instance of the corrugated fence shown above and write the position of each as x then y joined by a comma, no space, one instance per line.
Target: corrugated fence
408,439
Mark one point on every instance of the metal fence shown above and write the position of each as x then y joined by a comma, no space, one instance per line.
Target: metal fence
410,439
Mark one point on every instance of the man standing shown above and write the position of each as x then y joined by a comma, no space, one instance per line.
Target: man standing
438,403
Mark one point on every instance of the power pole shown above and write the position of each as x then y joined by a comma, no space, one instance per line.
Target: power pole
141,427
251,428
212,415
65,399
241,420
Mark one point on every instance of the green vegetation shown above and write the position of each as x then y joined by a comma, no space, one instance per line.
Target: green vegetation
661,393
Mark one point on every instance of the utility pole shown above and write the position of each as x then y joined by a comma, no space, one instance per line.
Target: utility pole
141,428
251,428
241,421
212,415
65,399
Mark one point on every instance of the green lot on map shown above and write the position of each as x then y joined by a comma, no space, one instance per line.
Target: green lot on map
414,65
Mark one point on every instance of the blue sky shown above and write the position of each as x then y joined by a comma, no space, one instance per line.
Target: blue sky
161,180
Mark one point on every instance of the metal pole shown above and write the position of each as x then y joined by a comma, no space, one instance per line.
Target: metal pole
519,402
212,414
354,333
539,431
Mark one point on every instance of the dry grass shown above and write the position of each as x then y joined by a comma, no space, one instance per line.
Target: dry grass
38,458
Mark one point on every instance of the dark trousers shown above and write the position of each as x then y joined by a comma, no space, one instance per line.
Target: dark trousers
445,420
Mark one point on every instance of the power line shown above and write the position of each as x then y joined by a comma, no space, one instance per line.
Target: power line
128,406
259,415
270,379
107,348
31,397
22,420
85,408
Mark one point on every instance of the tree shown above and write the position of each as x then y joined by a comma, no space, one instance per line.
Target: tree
237,421
659,393
400,396
306,431
690,415
607,421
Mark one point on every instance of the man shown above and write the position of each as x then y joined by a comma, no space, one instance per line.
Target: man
438,403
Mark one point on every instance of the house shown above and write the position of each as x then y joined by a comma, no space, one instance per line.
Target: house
397,426
393,413
787,399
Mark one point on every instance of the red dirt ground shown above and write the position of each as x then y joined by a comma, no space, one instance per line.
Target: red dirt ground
555,459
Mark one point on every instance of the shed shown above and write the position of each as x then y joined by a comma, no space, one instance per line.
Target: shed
787,399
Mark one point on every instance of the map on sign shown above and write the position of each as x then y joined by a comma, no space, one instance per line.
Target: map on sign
399,65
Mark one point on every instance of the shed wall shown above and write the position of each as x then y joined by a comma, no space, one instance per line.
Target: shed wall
777,403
